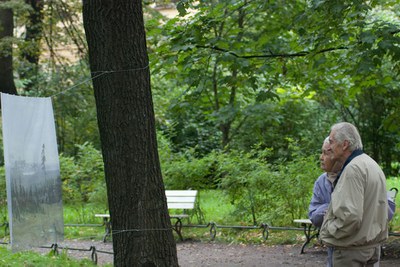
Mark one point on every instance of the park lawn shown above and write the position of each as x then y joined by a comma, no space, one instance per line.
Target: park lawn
28,258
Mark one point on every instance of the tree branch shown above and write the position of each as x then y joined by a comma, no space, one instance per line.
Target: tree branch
272,55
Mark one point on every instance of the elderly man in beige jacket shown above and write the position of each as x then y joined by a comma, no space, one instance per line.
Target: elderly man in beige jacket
356,222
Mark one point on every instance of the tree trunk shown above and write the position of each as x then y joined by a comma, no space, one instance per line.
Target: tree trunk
6,61
142,233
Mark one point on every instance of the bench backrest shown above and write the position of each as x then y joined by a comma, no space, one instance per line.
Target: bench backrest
181,199
392,193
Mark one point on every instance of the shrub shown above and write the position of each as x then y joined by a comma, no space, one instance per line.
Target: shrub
83,176
185,171
271,194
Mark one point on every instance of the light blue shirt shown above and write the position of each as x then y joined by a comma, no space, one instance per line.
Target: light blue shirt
320,199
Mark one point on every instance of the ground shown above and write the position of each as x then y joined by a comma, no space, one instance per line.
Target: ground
212,253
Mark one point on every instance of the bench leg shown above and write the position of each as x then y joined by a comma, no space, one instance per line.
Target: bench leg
107,224
309,236
178,228
213,230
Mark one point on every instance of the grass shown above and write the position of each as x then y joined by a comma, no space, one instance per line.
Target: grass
28,259
216,207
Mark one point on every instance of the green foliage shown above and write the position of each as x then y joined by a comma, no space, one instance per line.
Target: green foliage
245,178
358,79
75,109
83,177
291,190
215,52
271,194
185,171
271,124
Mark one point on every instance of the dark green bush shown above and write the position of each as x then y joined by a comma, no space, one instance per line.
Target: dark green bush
185,171
83,177
270,194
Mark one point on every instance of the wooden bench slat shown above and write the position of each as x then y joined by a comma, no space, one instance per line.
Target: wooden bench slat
306,221
181,199
179,216
392,194
102,215
181,193
180,205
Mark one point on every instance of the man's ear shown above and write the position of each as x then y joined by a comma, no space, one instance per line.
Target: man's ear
346,145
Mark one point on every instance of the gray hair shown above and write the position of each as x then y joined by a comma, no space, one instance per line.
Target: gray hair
326,141
347,131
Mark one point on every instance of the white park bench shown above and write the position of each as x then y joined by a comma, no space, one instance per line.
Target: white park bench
176,200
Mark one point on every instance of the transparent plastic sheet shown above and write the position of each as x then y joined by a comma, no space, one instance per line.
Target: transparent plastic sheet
34,195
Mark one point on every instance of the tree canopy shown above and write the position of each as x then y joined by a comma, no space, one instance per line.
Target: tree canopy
235,60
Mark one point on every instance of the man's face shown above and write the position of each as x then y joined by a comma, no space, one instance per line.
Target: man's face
326,160
335,147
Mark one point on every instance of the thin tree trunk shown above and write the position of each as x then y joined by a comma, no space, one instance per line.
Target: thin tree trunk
142,233
7,84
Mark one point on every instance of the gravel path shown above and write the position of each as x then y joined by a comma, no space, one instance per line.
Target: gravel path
199,254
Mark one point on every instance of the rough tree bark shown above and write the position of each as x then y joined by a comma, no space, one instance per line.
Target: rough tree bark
7,84
142,234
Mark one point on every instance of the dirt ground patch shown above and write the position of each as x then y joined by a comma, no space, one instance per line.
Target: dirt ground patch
199,254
